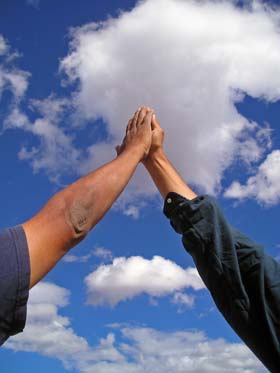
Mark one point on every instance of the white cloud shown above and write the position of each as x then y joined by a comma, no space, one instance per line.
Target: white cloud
16,119
11,78
55,140
133,207
50,156
56,154
99,252
185,351
102,253
191,64
45,325
50,334
133,211
264,185
52,108
17,81
183,300
3,45
46,292
69,258
126,278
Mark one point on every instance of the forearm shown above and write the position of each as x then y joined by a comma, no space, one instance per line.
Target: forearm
73,212
165,177
92,196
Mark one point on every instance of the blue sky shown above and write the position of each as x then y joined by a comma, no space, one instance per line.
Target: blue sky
68,87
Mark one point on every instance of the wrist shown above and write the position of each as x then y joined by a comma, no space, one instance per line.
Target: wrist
154,156
134,152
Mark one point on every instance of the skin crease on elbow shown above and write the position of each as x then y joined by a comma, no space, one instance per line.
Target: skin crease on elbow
79,218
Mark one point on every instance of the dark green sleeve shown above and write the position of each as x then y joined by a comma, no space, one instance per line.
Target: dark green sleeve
244,281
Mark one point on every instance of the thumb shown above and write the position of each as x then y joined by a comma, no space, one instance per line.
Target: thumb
155,123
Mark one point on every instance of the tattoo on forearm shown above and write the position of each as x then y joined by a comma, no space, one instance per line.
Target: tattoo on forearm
79,217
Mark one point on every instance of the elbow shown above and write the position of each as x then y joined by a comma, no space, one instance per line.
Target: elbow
78,217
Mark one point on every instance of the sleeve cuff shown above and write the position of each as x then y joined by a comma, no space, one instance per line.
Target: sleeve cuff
23,262
183,212
174,200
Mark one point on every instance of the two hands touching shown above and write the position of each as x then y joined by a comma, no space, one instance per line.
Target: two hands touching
143,135
69,215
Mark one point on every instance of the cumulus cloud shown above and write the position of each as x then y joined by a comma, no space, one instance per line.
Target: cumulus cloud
126,278
47,292
264,185
192,64
50,334
185,351
45,325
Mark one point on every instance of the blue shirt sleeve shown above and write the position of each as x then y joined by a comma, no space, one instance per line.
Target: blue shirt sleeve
14,281
243,280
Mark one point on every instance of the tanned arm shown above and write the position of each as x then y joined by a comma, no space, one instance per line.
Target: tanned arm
67,218
164,175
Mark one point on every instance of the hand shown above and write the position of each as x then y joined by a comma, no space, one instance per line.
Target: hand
138,133
157,137
157,140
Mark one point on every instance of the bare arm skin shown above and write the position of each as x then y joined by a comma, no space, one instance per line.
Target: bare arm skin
68,216
164,175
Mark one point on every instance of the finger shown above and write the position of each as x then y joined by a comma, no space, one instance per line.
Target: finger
148,119
155,123
154,126
142,115
146,111
128,127
147,108
135,120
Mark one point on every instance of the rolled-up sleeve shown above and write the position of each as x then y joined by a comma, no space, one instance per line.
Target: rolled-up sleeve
243,281
14,281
